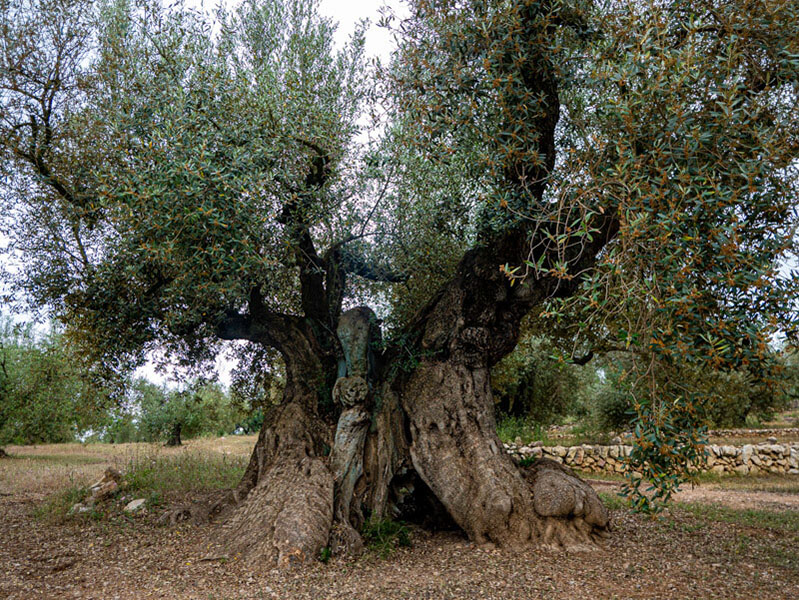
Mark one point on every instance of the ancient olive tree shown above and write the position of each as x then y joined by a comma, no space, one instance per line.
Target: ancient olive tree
174,183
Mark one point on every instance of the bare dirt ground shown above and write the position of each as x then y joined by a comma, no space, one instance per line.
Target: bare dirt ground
679,556
739,497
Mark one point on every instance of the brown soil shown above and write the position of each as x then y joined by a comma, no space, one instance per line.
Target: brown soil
741,499
676,557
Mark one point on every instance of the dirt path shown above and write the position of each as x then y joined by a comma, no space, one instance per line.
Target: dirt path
740,499
677,557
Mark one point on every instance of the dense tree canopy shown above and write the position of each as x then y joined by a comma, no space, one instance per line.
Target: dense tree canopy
626,171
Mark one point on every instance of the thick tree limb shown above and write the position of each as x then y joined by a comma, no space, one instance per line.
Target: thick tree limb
355,263
294,216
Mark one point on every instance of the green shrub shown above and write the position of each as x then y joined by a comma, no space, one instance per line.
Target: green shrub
612,407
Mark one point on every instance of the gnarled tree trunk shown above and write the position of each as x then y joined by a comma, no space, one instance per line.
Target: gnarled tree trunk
404,439
456,451
400,440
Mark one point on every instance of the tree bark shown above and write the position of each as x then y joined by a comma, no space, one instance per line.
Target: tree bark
286,515
401,440
457,453
174,435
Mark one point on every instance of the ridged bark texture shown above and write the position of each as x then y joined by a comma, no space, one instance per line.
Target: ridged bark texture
287,516
457,453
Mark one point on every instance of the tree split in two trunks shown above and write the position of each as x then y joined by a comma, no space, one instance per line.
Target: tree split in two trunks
412,440
173,183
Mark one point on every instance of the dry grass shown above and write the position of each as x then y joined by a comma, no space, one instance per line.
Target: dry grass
44,469
699,551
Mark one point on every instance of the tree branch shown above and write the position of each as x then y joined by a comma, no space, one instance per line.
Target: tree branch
355,263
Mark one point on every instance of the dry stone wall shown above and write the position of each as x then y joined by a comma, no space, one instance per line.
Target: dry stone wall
749,458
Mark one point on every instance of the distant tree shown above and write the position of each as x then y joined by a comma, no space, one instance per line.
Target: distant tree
45,396
172,415
538,382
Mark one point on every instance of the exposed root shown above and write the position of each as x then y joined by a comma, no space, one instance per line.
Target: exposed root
286,519
287,516
573,516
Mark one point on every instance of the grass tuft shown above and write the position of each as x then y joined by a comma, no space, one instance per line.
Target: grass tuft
383,536
613,501
509,428
189,471
153,476
55,507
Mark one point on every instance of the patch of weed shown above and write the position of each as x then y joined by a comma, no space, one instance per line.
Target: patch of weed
383,536
613,501
509,428
153,475
56,507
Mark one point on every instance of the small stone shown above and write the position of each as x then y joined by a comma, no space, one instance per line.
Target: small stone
78,508
616,441
135,505
518,441
771,440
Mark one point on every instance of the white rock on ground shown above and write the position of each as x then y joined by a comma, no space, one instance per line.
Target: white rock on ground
135,505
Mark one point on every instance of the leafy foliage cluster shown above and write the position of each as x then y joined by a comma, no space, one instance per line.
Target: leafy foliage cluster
684,119
45,394
165,160
48,395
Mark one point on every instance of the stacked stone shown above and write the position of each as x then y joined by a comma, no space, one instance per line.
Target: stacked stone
751,458
752,432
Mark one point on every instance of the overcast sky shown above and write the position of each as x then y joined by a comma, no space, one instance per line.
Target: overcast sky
347,13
